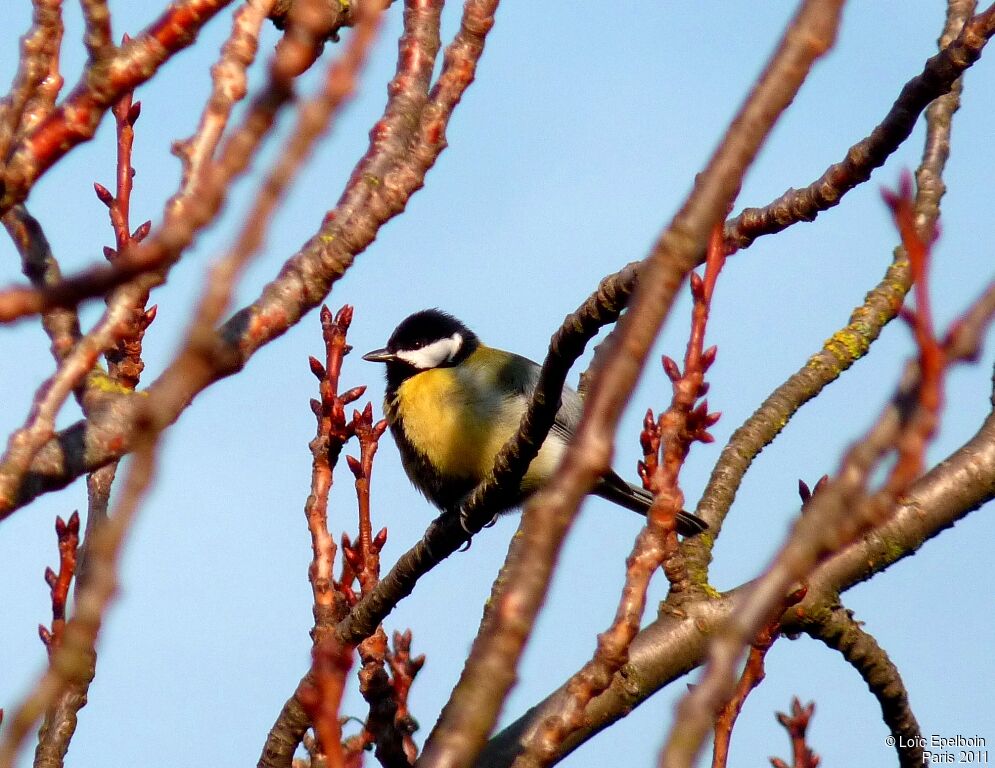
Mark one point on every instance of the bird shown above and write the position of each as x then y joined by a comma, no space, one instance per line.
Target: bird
452,402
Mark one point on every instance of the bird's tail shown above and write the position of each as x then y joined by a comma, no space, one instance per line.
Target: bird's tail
616,490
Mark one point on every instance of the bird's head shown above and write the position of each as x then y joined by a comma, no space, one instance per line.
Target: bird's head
425,340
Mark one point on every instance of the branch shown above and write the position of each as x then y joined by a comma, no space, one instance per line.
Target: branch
37,82
796,724
939,76
42,269
97,37
675,644
837,628
72,662
307,277
848,344
77,118
490,670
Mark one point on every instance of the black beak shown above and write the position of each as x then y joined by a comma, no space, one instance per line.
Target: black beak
380,356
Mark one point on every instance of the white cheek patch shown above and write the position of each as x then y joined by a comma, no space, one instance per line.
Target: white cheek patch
433,355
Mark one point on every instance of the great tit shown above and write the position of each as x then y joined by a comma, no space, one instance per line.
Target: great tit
453,402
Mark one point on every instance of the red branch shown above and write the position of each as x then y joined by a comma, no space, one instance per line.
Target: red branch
666,442
68,536
332,433
656,545
124,361
364,556
932,355
389,724
77,118
796,725
403,669
753,675
322,698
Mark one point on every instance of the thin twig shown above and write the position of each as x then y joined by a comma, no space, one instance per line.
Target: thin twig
124,361
77,118
849,343
796,724
753,674
839,630
674,644
307,277
490,670
938,77
229,86
97,34
67,532
73,660
39,61
321,696
42,269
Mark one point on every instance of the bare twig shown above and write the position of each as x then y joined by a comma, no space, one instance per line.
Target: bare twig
753,674
76,119
490,670
938,77
72,662
38,80
674,643
67,532
97,36
321,696
228,87
839,630
42,269
124,361
387,731
333,432
403,669
796,724
850,343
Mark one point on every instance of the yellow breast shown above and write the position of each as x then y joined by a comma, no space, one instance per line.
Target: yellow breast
459,418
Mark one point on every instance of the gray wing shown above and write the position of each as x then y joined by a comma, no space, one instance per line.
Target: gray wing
521,375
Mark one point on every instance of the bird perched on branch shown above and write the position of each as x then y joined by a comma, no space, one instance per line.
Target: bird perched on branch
452,402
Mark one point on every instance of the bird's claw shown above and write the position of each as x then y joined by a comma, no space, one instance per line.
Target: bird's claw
464,523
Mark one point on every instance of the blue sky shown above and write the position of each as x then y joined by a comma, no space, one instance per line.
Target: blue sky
569,154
